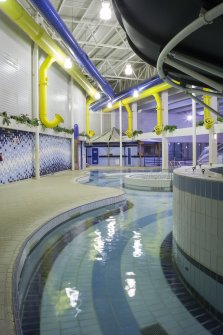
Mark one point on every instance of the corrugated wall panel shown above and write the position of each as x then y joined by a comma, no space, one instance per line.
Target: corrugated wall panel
58,94
106,122
79,107
95,122
15,69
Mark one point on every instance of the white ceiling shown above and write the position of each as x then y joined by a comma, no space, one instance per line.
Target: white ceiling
104,42
106,45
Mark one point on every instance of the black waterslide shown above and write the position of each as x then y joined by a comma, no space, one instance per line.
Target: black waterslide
151,24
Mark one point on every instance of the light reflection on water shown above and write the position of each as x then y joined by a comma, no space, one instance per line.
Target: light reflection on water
137,245
104,242
74,298
130,286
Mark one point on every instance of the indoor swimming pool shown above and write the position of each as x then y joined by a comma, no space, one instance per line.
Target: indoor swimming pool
109,272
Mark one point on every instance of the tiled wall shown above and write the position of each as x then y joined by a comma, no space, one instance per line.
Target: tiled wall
17,155
16,148
55,154
198,234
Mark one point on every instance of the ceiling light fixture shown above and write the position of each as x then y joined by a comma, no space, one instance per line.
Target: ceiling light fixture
109,105
68,63
105,12
128,69
135,94
97,95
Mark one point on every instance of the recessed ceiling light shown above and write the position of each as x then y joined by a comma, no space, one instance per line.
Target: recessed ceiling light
97,95
105,12
109,105
68,63
128,69
135,94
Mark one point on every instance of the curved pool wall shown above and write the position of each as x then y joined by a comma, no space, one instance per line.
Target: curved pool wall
37,237
198,233
152,181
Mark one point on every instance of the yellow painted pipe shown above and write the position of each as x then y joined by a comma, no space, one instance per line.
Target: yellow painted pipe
91,133
159,127
150,91
18,15
142,95
208,120
129,131
43,95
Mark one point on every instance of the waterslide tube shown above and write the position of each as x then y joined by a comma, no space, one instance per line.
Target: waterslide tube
52,17
18,15
141,87
43,80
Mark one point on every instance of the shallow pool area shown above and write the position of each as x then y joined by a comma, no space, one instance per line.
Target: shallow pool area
108,272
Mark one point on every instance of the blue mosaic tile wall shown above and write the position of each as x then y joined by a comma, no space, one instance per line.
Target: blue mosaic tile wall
55,154
16,155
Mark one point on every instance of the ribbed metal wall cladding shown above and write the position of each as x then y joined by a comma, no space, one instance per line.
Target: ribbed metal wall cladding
58,94
15,70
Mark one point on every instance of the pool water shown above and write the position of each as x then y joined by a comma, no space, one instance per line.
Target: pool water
109,278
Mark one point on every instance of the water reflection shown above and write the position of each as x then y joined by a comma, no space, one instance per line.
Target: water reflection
99,245
111,228
137,245
130,285
74,296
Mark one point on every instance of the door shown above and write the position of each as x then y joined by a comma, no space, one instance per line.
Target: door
94,156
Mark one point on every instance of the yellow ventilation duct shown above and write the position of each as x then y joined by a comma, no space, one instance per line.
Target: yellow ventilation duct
89,132
159,127
208,120
43,80
150,91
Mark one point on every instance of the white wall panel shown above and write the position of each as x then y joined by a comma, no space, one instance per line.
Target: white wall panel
79,107
15,69
58,94
106,122
95,122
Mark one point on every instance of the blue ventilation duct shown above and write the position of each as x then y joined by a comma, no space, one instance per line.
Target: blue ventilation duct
52,17
141,87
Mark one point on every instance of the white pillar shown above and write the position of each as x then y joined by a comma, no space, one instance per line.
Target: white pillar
134,116
101,122
165,145
71,111
120,128
112,119
35,105
213,145
194,139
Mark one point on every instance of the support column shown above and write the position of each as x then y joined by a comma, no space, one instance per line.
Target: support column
112,119
134,116
194,137
120,127
165,144
213,142
71,111
35,105
101,118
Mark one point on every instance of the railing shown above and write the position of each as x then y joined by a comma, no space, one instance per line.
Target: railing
152,161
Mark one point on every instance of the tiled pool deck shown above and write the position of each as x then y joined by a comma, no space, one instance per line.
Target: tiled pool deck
25,206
